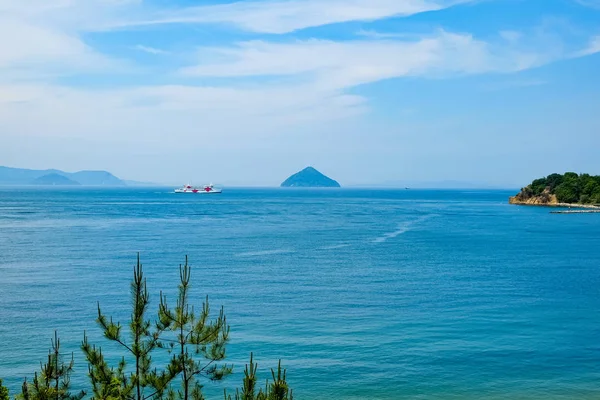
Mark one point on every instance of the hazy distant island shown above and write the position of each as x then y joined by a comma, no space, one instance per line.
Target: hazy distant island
54,180
54,177
310,177
569,189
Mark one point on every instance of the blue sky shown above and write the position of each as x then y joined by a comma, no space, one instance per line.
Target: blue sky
246,93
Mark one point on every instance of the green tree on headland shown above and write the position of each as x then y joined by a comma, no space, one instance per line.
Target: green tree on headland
195,342
568,188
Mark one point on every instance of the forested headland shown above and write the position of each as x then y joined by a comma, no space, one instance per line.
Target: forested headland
556,189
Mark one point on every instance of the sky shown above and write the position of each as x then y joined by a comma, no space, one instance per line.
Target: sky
496,92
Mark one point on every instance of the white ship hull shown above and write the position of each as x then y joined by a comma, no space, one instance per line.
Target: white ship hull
199,191
208,189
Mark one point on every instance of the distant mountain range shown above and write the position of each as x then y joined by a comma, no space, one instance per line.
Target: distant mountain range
308,177
19,176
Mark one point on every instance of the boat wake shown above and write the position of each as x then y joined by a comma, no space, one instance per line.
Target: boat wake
402,228
265,253
334,247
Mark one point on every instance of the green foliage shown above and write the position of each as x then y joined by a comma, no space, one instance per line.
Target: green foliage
568,188
278,389
589,186
538,186
567,192
585,199
4,395
570,176
107,383
196,343
53,381
553,181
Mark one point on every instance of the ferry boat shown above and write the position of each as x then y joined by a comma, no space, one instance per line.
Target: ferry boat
207,189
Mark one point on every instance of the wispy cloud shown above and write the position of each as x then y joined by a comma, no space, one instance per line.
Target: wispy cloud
192,114
308,81
277,17
371,34
513,83
592,48
150,50
511,36
44,39
338,65
589,3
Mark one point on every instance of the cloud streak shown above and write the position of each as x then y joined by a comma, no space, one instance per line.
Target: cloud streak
592,48
589,3
189,112
278,17
150,50
43,39
339,65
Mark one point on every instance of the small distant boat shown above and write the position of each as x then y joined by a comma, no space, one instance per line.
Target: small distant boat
207,189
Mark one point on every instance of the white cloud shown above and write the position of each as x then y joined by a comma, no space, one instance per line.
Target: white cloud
318,72
589,3
27,45
69,14
43,38
592,48
338,65
512,84
265,16
511,36
170,113
150,50
276,16
371,34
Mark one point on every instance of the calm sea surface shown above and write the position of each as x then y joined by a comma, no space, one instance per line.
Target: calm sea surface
364,294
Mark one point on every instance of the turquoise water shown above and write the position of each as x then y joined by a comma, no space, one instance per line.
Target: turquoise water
364,294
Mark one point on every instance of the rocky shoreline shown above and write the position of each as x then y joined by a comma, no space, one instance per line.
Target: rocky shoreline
537,201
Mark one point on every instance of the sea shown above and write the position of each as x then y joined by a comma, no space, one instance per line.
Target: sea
361,293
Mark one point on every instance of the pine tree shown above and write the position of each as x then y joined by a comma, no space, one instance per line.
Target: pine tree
114,383
4,394
107,383
53,381
196,343
277,390
24,391
249,385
